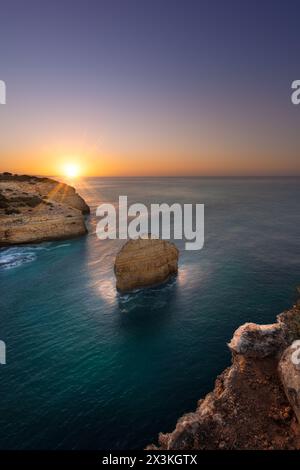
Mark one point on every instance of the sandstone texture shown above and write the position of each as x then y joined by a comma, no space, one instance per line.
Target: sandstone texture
36,209
145,262
256,401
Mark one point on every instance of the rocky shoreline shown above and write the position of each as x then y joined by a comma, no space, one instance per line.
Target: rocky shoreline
256,401
34,209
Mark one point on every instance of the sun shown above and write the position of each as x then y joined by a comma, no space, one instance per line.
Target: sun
71,170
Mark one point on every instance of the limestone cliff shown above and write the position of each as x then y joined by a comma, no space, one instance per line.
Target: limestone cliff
35,209
144,262
256,401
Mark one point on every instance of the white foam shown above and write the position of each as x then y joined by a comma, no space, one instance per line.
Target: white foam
16,256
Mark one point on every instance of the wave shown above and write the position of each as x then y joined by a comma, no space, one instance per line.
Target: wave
56,247
16,256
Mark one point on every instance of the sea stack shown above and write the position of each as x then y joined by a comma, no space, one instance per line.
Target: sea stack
34,209
145,262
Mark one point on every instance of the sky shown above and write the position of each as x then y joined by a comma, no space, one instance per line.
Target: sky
150,87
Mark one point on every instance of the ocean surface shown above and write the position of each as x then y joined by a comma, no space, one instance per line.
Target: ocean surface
88,368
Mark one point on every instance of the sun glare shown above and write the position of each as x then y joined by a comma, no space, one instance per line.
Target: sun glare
71,170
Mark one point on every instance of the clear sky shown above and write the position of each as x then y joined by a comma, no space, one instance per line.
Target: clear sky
148,87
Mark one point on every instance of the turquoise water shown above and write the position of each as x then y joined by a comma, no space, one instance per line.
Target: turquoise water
90,369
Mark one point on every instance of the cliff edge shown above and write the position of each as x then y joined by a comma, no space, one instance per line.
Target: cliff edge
256,401
34,209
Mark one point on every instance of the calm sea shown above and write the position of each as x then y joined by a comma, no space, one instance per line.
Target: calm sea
90,369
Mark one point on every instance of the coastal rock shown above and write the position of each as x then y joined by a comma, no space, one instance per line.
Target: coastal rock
36,209
258,341
144,262
290,323
254,400
289,371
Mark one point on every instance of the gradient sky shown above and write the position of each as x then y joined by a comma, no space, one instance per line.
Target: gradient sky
148,87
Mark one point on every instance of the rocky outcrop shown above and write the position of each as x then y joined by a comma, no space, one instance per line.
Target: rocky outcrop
289,371
257,341
255,401
145,262
35,209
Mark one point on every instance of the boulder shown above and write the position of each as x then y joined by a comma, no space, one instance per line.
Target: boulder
145,262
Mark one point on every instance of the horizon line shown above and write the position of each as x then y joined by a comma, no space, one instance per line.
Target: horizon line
157,176
179,176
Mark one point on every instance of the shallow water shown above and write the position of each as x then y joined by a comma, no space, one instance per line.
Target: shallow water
90,369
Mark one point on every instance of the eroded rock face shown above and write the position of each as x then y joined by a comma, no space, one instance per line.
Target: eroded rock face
290,323
258,341
247,409
254,402
35,209
145,262
289,371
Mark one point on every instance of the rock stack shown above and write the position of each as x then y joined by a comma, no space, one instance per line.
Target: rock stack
145,262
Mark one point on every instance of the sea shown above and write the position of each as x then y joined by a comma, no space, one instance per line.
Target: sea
89,368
